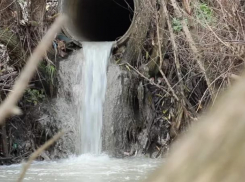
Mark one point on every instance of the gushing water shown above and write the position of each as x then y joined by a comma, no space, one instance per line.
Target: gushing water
85,168
96,57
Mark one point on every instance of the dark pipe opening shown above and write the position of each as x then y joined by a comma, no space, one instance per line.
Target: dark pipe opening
101,20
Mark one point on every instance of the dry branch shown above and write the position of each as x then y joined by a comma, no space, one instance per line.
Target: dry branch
192,46
175,51
8,107
176,59
6,76
213,150
158,86
161,62
37,153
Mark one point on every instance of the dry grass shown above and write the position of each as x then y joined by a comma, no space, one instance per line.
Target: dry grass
213,149
207,46
218,31
205,51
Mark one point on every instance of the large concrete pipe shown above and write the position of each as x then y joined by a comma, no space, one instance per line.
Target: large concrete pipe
99,20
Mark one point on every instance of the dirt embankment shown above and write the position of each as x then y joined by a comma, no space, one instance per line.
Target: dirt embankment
20,32
187,53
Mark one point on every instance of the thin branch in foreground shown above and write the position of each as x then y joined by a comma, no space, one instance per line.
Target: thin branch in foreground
213,149
8,107
37,153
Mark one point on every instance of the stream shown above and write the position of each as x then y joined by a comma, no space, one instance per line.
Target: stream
85,168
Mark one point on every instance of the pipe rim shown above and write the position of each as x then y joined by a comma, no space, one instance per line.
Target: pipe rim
118,42
126,35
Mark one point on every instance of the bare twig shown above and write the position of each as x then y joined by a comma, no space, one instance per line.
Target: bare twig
213,149
159,86
4,77
161,62
9,107
175,51
176,60
192,46
37,153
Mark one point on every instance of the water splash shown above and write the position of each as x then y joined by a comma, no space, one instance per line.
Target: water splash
96,55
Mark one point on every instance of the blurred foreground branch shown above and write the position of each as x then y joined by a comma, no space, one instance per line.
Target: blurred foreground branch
9,106
37,153
214,148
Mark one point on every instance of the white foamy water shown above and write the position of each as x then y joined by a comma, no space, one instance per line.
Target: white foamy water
96,55
86,168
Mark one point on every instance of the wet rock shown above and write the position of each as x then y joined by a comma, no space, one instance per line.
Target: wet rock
117,114
128,114
60,113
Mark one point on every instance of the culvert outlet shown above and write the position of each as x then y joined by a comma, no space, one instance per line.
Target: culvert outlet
99,20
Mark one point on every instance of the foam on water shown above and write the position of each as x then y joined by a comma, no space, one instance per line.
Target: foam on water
85,168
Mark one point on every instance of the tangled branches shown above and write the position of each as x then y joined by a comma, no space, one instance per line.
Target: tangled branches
188,64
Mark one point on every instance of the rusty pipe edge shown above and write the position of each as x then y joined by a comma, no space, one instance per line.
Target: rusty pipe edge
85,20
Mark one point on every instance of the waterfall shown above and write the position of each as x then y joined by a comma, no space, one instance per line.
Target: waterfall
96,55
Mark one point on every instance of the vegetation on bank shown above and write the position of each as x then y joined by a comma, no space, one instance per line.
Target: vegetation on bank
186,65
23,23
